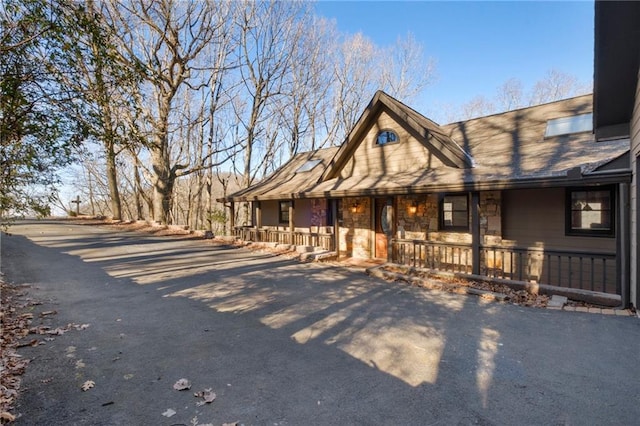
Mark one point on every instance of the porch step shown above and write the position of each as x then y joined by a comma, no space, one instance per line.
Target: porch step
318,256
557,301
305,249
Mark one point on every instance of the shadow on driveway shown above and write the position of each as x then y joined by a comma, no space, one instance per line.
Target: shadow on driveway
287,343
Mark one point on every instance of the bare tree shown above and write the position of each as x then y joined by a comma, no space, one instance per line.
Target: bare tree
166,40
556,85
510,95
354,73
476,107
306,86
102,84
267,32
407,72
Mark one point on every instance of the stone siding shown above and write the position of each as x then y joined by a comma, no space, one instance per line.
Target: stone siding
424,222
416,225
490,213
355,237
416,217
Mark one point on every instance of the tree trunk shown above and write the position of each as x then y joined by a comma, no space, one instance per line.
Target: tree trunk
163,181
112,179
138,193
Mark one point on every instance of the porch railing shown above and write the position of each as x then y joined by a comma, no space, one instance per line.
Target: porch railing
433,255
300,238
595,271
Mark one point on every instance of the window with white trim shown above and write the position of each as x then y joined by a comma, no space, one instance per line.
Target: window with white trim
386,137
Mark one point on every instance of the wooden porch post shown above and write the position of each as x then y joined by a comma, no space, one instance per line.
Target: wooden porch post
291,222
392,220
475,233
623,231
336,226
258,223
258,214
232,220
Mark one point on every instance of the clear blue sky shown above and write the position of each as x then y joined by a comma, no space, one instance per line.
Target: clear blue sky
479,45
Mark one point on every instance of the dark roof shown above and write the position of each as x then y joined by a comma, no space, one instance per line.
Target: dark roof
509,150
286,181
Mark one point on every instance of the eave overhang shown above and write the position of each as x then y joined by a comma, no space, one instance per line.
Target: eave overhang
616,62
570,179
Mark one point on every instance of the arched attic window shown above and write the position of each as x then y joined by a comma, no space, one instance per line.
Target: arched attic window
386,137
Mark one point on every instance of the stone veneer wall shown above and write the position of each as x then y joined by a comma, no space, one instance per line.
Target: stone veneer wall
491,217
415,226
424,223
355,230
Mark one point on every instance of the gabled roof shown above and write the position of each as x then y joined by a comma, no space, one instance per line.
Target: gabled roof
426,131
286,180
509,150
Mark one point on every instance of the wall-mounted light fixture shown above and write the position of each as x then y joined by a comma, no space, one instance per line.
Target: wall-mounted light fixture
354,207
413,208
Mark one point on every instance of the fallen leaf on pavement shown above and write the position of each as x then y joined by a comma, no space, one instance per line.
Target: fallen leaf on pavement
33,342
182,384
7,416
169,412
207,395
88,385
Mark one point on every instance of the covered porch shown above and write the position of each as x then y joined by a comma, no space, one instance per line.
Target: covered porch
318,239
574,269
410,230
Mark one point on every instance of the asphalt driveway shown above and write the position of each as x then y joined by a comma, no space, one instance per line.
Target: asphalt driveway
285,343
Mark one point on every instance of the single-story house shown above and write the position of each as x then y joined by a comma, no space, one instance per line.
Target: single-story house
525,195
617,106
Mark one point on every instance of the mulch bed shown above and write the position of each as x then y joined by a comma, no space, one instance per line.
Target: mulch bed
458,285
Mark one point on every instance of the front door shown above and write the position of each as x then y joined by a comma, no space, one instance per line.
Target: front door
382,227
